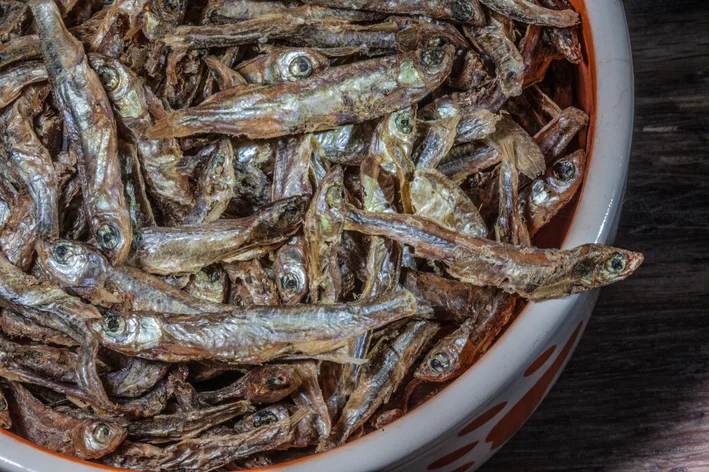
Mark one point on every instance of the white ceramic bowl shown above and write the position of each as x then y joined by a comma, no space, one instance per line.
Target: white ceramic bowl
470,420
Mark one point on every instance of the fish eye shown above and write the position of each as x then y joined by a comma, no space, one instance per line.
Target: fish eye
437,42
264,418
615,263
462,11
432,56
440,362
107,236
403,122
289,282
301,67
276,381
109,78
102,432
335,196
564,170
114,325
62,252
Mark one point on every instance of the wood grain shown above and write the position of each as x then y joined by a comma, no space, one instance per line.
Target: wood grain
635,395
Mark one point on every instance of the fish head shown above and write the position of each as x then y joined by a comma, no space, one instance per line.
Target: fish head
113,236
604,265
427,67
444,360
122,86
72,264
128,332
400,130
271,383
292,65
566,172
291,265
93,439
264,417
326,216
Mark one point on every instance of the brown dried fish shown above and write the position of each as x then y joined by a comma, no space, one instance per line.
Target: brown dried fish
383,85
544,197
85,439
209,243
525,11
158,158
234,11
263,384
249,336
323,227
84,271
380,378
181,426
464,11
14,79
535,274
87,113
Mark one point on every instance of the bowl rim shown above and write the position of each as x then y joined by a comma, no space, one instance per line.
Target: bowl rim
610,134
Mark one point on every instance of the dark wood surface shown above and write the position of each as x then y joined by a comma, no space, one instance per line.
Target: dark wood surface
635,395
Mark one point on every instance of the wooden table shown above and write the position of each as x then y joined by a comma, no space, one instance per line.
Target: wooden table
635,395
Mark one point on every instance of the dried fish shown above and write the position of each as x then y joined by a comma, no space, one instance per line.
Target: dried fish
366,89
263,384
85,439
493,41
87,113
234,11
535,274
181,426
209,243
436,131
323,227
564,40
158,158
84,271
464,11
544,197
215,186
554,138
249,336
380,378
525,11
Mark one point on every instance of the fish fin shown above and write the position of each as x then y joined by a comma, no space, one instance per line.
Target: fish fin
300,415
164,128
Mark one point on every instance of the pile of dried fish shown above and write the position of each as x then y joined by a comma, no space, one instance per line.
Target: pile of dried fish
240,232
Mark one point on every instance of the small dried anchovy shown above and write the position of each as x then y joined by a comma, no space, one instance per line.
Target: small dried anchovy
237,232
